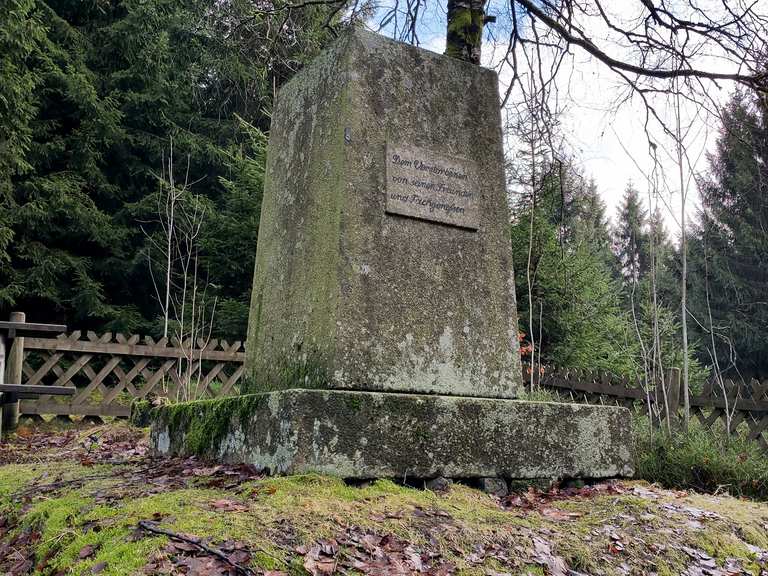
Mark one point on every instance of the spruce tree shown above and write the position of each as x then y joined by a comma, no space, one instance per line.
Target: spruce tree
99,93
647,263
21,36
729,247
631,242
575,293
667,262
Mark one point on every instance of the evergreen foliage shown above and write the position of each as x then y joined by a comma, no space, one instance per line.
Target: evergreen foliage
647,263
631,240
576,299
729,247
91,97
20,36
596,304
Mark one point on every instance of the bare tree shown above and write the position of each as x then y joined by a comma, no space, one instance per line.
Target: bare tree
684,264
641,41
174,237
533,127
658,374
717,369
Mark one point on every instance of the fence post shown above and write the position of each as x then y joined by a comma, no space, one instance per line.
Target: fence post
673,394
2,376
13,373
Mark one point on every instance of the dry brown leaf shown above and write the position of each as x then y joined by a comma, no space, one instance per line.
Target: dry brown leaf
86,551
226,505
557,514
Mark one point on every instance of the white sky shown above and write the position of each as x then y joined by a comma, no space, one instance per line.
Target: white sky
611,146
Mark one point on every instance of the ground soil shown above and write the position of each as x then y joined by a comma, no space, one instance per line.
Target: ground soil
90,500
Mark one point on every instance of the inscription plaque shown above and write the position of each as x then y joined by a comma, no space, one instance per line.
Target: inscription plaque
431,186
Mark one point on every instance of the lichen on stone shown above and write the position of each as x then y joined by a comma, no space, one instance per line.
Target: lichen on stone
201,426
375,434
340,280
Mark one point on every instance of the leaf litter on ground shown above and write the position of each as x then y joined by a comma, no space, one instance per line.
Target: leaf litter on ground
432,544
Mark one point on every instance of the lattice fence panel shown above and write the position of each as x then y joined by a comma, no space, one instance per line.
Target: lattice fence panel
110,370
739,408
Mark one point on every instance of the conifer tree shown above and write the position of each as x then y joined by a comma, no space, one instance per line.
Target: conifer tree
729,247
98,93
647,263
21,35
631,243
575,294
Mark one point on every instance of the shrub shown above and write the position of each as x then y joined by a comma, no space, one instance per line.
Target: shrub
701,459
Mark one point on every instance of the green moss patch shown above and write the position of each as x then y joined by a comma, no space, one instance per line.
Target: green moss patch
77,517
206,422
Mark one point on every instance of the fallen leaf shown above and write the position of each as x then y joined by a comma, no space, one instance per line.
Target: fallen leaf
557,514
86,551
181,547
556,566
226,505
242,557
317,567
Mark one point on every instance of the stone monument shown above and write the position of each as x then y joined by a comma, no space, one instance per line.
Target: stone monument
384,259
383,331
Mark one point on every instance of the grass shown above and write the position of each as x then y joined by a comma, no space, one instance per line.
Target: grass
316,507
705,460
538,394
100,506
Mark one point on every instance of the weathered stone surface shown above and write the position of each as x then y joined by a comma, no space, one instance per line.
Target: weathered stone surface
350,293
439,484
495,486
373,434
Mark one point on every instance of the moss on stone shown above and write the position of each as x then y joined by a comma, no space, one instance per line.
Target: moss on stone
140,413
370,434
376,299
203,424
292,320
307,371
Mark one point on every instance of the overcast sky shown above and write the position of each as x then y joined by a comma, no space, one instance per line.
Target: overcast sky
609,143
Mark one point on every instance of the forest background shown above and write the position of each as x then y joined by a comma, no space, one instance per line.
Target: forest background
132,148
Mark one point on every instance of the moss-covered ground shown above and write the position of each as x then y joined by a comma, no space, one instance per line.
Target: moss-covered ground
90,500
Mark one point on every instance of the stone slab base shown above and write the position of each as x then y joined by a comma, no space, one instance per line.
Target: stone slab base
374,434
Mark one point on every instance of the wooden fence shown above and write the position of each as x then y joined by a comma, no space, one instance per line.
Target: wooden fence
110,370
742,405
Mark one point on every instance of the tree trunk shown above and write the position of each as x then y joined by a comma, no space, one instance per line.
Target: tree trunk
464,35
684,273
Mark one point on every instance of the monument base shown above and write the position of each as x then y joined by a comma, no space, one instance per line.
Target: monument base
373,434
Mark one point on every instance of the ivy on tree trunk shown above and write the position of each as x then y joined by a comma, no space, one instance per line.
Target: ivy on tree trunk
465,30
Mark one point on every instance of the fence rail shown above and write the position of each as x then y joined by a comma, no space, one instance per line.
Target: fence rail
110,370
738,406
